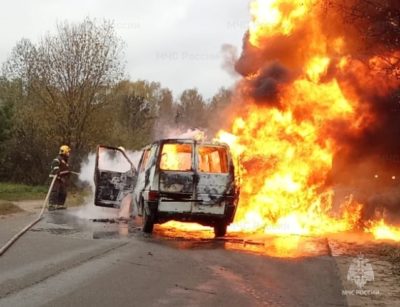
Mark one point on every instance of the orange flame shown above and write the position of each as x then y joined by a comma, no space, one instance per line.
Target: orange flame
382,231
276,17
285,153
175,157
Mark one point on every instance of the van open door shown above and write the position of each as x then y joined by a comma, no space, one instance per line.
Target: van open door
115,176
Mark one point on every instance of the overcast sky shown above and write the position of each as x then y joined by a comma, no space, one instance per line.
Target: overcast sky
175,42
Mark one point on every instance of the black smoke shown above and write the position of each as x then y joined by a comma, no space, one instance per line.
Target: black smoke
265,86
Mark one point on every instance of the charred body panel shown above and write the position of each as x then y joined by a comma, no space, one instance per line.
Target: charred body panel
175,182
112,188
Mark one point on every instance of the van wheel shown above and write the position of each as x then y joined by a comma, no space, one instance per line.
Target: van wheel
148,222
220,229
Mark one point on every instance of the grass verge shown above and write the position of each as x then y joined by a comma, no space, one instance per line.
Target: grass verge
16,192
7,207
10,192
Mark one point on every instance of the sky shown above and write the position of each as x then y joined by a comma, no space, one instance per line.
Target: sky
176,42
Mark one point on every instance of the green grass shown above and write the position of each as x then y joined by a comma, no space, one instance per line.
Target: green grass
19,192
16,192
8,208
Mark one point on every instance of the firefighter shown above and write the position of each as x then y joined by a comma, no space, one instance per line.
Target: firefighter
60,168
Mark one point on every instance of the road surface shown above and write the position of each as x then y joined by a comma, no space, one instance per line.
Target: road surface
72,259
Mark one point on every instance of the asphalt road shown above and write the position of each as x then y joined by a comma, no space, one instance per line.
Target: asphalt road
70,260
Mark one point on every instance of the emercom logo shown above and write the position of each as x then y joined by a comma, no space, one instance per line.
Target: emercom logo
360,271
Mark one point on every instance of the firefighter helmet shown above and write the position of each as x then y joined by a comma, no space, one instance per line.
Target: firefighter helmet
65,150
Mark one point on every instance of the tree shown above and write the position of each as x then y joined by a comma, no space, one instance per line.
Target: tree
8,91
191,110
136,114
217,110
166,114
10,94
67,76
378,24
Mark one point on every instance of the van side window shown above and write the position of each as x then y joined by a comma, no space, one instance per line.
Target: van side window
176,157
212,159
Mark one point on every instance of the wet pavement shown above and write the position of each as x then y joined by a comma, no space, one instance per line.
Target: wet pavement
81,257
291,246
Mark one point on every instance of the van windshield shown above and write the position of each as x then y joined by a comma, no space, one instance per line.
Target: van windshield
212,159
176,157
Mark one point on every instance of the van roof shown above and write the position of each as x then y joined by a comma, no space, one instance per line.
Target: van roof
188,140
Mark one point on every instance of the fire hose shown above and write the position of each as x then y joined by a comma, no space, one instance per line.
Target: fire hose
29,226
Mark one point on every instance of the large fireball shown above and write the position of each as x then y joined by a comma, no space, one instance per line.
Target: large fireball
300,98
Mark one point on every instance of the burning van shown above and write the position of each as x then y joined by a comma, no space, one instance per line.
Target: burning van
177,179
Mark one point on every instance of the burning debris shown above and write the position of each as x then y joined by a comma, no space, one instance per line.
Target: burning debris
316,104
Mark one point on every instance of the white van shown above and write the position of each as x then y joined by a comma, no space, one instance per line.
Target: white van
177,179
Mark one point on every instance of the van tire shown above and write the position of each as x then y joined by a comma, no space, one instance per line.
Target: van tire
148,222
220,229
